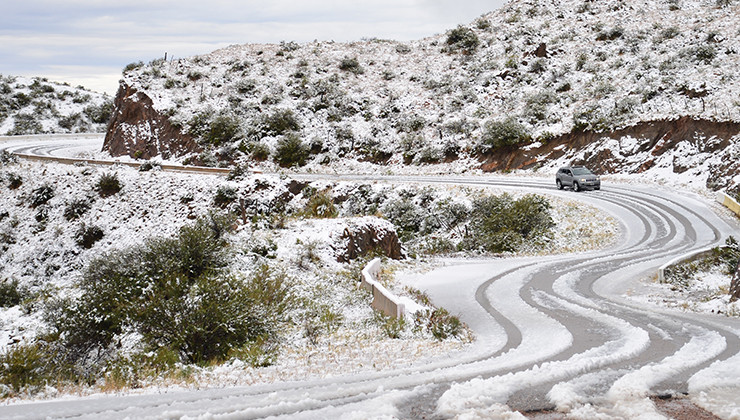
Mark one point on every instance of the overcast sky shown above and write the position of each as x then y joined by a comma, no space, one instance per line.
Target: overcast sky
88,42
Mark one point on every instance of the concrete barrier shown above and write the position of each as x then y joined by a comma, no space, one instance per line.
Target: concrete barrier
728,202
383,300
165,167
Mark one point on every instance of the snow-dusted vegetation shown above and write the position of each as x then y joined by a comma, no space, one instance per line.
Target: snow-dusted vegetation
39,106
107,275
518,77
116,279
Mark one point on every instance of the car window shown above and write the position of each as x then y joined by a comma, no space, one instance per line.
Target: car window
581,171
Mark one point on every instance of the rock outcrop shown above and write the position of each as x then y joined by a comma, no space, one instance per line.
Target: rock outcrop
365,235
138,130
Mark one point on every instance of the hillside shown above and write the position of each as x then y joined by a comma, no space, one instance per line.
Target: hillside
507,90
537,72
38,106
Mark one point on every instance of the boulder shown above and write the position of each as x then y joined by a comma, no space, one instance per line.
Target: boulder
365,235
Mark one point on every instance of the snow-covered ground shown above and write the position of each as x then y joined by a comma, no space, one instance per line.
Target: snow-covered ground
592,382
38,106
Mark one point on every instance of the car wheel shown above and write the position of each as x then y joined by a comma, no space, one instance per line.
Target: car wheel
576,187
559,184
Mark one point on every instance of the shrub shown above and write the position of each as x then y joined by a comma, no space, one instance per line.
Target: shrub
175,293
704,53
291,151
108,184
439,323
76,208
502,224
11,294
260,151
392,326
505,133
611,34
462,39
590,118
133,66
225,195
14,181
351,65
320,205
223,129
100,114
405,215
150,165
86,236
41,195
26,124
7,157
280,122
28,367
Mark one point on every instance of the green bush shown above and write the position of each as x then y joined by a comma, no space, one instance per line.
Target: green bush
439,323
149,166
175,293
260,151
86,236
392,327
108,184
405,215
462,39
504,133
320,205
11,294
590,118
26,124
223,129
133,66
279,122
611,34
7,158
291,151
14,181
502,224
76,208
351,64
100,114
29,367
225,195
41,195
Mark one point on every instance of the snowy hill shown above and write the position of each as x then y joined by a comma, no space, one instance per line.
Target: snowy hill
38,106
540,70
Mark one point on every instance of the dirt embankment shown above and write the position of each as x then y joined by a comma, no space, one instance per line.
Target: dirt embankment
654,138
138,130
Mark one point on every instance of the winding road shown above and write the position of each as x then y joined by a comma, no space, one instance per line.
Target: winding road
553,333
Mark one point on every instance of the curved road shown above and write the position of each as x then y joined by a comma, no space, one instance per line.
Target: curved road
556,332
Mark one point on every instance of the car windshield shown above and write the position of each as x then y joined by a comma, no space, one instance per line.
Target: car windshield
581,171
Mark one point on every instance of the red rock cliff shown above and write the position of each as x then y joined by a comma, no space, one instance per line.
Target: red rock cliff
138,130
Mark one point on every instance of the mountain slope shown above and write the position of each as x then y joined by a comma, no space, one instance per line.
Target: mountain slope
38,106
508,83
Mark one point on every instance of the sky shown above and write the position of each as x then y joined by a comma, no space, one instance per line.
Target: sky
89,42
